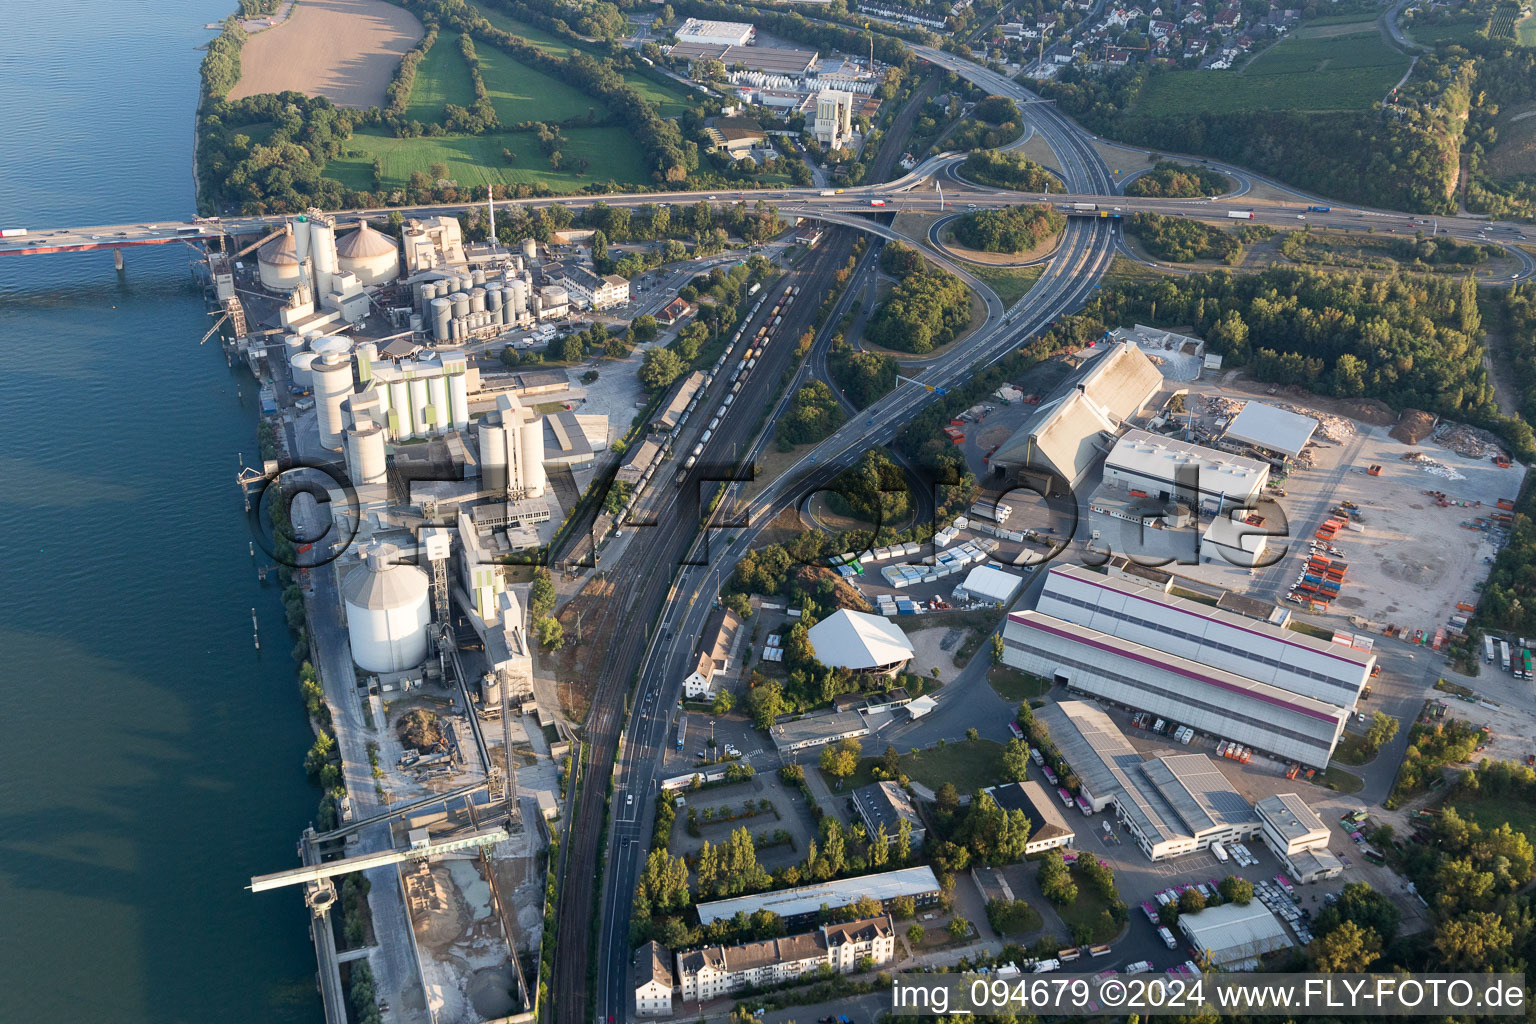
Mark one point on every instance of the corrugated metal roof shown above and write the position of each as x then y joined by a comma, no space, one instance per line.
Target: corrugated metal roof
807,899
1277,430
1233,932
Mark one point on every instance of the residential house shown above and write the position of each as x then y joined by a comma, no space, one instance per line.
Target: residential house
716,656
674,311
714,971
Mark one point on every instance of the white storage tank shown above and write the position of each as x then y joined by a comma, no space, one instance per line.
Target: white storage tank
388,612
372,256
294,343
531,450
400,405
477,300
437,388
332,346
333,385
365,454
442,316
419,424
530,249
460,302
277,262
301,366
458,399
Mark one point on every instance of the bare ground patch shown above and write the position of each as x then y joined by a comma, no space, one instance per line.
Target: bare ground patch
344,50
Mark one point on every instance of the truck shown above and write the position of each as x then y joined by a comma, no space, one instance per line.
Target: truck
1240,215
1139,967
12,232
995,511
827,192
1167,937
877,202
682,731
1525,662
1068,956
1034,755
1504,655
1046,966
1099,950
1220,852
1085,207
1319,209
1488,649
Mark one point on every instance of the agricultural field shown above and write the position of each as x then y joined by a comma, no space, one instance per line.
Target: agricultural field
521,93
1330,69
441,79
477,160
344,50
1525,30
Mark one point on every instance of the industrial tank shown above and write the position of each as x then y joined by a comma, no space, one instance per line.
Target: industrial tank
531,451
442,313
460,302
277,262
387,611
332,346
333,386
442,410
530,249
517,298
294,343
458,399
400,405
365,454
372,256
477,276
419,423
301,365
322,245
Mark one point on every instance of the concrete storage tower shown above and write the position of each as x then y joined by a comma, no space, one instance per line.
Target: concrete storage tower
372,256
365,453
333,384
322,249
302,367
388,611
277,262
512,450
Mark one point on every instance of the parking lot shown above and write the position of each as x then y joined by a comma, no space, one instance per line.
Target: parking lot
789,813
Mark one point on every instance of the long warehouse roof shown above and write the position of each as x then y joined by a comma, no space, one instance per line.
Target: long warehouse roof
1219,679
807,899
1160,458
1278,430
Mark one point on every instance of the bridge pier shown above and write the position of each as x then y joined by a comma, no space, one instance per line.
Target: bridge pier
117,260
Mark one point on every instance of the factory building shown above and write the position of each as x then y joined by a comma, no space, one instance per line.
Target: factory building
767,59
277,262
1298,837
589,290
1272,429
433,242
861,642
1157,468
801,905
328,281
833,126
424,396
1172,805
1210,700
1067,435
1237,538
723,33
387,607
1233,936
1145,613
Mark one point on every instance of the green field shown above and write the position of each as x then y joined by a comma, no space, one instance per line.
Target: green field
1459,31
1490,813
441,79
1348,71
476,160
533,35
670,100
1525,30
521,93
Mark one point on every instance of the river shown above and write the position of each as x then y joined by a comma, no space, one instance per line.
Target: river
152,758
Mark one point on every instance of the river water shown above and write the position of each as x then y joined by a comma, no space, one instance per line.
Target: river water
152,758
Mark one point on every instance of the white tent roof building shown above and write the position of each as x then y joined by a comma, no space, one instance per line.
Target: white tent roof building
1234,936
860,641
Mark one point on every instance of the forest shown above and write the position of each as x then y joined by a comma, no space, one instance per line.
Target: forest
865,377
813,414
994,121
1012,229
1008,170
1407,161
1169,179
1181,240
927,309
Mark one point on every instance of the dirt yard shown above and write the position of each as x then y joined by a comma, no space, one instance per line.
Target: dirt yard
345,50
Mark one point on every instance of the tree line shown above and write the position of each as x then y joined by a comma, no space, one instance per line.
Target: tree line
1169,179
1011,170
1184,240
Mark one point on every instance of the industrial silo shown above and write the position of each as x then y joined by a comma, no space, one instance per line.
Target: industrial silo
294,344
388,611
458,399
530,249
333,386
530,452
372,256
365,453
460,302
277,262
400,406
493,303
300,366
334,345
442,314
477,300
366,354
477,277
425,293
493,458
419,420
322,246
517,298
490,691
437,392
